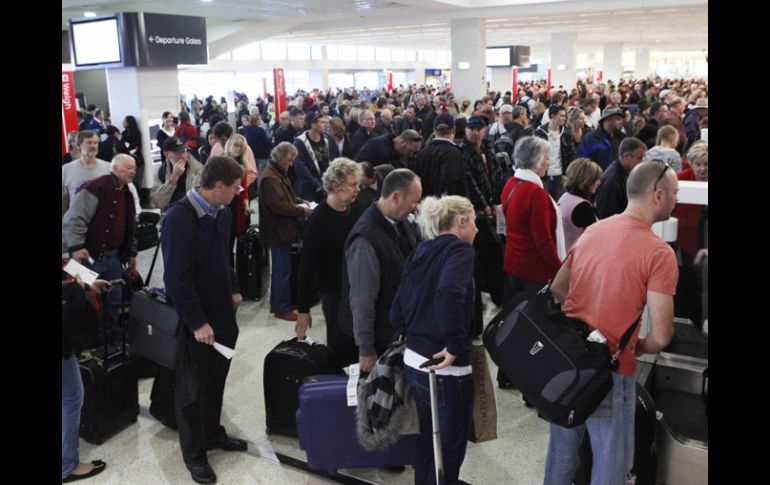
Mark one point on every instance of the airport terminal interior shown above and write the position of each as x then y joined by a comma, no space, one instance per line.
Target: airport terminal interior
161,55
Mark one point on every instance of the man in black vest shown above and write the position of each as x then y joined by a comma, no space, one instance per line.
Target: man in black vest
375,251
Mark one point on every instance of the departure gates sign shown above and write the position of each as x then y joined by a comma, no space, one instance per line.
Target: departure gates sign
168,40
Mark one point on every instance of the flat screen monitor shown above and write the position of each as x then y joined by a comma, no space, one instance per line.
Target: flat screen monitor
96,41
499,57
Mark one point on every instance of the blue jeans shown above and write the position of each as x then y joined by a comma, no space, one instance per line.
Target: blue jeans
611,428
110,268
455,402
280,278
71,402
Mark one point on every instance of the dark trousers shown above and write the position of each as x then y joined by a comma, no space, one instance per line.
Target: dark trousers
552,184
455,410
200,384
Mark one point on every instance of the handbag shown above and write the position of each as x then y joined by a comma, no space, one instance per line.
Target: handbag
547,356
146,232
153,324
484,424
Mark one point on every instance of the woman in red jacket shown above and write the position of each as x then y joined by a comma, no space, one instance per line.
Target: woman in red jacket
534,236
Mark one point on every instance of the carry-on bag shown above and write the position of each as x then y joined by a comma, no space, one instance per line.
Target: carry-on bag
285,368
326,426
252,264
110,390
549,357
153,324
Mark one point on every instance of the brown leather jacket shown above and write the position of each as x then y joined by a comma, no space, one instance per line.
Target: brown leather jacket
278,211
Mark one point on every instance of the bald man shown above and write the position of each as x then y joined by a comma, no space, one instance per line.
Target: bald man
99,226
616,268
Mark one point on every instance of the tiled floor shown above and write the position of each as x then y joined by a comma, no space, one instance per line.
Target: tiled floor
147,453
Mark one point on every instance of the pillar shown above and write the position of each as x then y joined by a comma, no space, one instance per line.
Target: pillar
613,67
144,93
468,48
563,61
642,68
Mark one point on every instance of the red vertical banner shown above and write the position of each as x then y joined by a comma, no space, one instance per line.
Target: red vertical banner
390,81
514,84
264,88
279,83
69,111
599,75
548,88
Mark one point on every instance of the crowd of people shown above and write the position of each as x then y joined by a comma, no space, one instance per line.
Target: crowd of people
423,203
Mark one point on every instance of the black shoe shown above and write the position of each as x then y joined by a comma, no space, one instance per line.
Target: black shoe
526,403
505,385
202,473
395,469
99,467
228,444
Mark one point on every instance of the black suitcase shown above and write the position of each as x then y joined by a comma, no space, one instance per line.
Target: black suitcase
285,369
252,264
110,389
645,467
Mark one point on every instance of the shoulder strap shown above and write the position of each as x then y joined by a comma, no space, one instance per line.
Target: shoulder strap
505,207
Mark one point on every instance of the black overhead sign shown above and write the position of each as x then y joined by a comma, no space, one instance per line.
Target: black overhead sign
168,40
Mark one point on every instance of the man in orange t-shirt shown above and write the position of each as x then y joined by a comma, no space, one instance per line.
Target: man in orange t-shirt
616,268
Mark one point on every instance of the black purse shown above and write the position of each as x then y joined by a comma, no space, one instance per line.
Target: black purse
153,324
546,356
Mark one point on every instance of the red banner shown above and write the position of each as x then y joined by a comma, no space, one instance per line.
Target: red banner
69,110
514,84
600,73
548,89
279,83
390,81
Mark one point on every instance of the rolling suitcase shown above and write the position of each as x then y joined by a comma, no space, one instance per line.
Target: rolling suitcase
110,390
327,429
285,368
252,264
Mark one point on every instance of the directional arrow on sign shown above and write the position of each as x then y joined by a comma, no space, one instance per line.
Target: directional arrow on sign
149,39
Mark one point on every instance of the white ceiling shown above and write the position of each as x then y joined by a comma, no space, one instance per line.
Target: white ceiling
661,25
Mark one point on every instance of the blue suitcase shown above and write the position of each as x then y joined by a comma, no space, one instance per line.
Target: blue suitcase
327,430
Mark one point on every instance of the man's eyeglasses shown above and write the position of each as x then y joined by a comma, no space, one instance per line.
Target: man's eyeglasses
662,173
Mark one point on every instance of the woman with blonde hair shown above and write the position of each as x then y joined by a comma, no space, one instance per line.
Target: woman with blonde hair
433,307
237,149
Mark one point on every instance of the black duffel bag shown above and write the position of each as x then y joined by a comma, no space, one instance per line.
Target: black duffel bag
546,356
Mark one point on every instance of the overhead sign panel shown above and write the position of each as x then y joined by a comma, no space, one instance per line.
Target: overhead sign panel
168,40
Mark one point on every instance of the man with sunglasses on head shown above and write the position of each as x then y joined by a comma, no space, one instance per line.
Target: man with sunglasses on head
611,197
616,268
178,174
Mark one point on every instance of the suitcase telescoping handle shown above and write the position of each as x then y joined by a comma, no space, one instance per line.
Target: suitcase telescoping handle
437,457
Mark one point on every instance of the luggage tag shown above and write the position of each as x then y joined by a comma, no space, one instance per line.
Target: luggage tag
353,371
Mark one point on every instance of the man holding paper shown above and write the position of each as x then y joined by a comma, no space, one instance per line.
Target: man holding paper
279,214
201,284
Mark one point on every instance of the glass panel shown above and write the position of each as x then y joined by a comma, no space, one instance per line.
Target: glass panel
274,51
316,52
298,52
348,53
382,54
332,52
366,53
398,54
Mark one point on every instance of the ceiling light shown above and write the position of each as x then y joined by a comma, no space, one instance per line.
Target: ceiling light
89,14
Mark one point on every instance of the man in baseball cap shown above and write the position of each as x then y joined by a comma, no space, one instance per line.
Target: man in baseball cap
179,174
601,145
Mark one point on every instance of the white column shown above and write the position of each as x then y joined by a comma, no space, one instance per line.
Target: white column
642,68
613,67
144,93
468,48
563,60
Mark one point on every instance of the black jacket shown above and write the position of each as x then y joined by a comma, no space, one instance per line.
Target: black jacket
611,197
566,143
484,183
380,151
359,139
440,167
